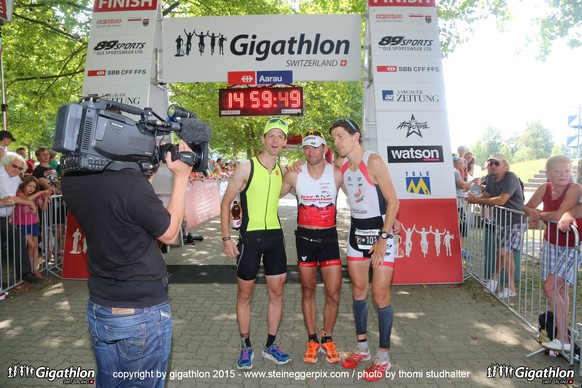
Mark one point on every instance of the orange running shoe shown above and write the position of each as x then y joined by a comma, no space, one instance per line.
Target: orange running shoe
376,371
310,355
354,358
330,351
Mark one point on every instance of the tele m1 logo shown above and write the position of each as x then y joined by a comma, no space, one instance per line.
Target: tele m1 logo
415,154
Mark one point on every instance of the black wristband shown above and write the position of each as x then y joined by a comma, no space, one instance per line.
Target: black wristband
226,238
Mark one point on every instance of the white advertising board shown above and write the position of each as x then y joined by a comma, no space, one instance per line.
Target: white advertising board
412,127
313,47
406,96
408,69
403,18
120,51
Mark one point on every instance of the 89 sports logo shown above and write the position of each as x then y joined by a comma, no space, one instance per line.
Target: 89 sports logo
402,43
115,45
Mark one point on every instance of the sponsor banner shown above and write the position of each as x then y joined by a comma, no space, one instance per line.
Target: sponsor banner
125,93
408,69
403,43
124,5
423,180
75,256
403,18
427,248
314,47
137,71
120,51
412,127
409,96
401,3
397,154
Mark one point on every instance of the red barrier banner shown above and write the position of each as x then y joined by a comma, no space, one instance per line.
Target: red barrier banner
428,250
75,257
202,202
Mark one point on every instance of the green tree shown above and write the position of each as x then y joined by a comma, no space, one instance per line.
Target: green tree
536,142
45,47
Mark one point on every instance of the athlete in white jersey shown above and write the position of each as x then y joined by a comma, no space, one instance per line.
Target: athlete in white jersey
374,205
316,240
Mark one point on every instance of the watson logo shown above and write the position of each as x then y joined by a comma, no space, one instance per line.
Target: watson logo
415,154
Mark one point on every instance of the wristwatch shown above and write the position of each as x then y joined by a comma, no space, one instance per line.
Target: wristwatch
385,235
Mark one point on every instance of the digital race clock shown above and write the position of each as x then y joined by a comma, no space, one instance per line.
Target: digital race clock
261,101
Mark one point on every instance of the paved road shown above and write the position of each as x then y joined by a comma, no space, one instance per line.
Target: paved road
443,335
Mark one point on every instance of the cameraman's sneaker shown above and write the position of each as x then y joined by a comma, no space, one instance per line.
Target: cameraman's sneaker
354,358
330,351
377,370
245,360
310,355
275,354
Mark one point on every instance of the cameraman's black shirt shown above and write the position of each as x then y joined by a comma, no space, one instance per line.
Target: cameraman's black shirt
121,217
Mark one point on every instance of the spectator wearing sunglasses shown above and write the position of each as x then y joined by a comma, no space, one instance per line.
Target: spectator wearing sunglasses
503,188
258,181
316,240
373,204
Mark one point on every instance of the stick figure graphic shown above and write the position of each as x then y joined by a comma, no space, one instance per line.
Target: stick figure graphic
188,41
179,41
424,239
448,237
221,41
201,43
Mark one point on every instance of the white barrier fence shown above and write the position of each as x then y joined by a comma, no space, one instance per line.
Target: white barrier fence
531,271
26,248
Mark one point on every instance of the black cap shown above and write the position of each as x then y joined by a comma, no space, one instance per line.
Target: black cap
5,134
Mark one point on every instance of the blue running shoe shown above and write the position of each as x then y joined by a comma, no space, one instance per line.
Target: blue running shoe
245,360
275,354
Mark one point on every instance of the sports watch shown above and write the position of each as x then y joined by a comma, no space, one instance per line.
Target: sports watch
385,235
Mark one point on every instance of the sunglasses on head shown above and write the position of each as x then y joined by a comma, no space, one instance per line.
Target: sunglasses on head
277,120
312,133
493,163
347,121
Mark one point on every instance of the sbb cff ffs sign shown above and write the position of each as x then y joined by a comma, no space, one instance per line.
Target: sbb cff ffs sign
261,101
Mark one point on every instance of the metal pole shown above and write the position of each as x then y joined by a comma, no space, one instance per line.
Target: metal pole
4,106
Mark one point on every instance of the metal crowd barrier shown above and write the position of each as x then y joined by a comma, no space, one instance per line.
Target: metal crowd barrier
50,248
483,259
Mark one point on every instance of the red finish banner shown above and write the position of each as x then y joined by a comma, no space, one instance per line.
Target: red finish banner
428,248
125,5
75,257
402,3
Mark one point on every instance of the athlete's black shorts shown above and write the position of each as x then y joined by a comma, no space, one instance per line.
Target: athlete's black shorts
317,246
268,244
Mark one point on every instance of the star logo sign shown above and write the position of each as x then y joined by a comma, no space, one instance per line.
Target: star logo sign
413,126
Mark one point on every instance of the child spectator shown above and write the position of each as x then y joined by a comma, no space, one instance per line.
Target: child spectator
26,219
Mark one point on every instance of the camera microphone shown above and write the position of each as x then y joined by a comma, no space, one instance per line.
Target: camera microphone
132,110
195,131
178,111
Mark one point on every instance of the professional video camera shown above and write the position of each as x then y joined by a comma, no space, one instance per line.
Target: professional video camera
94,136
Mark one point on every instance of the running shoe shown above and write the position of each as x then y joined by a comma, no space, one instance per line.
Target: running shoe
275,354
330,351
376,371
310,355
354,358
245,360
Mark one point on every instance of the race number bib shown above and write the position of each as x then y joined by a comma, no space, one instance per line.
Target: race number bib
365,238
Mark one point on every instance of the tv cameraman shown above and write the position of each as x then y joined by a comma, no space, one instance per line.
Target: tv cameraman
128,312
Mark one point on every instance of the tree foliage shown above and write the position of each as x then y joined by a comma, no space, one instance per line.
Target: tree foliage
536,142
45,48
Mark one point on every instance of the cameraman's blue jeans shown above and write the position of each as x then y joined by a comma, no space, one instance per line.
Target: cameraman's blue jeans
132,346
